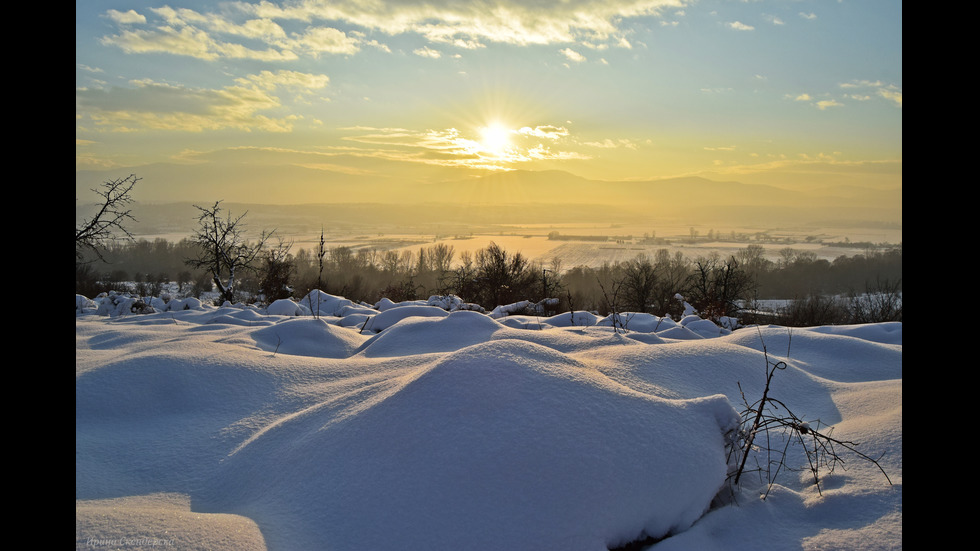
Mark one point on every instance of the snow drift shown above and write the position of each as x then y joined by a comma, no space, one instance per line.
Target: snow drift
457,430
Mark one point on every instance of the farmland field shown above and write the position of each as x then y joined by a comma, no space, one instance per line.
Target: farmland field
624,242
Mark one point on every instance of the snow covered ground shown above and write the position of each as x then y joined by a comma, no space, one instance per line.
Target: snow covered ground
411,427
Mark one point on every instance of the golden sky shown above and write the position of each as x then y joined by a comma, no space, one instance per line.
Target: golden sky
799,94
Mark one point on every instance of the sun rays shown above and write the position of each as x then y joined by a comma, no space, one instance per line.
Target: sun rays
495,138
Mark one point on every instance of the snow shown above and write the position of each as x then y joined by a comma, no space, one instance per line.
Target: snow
412,426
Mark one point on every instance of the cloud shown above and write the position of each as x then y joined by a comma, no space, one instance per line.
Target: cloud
893,95
858,90
739,26
472,24
125,18
809,16
189,42
317,40
86,161
828,103
428,52
612,144
452,147
821,104
572,55
889,92
862,84
259,29
549,132
544,153
464,44
269,80
149,105
247,30
186,32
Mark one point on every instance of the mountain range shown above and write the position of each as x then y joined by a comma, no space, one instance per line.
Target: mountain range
519,196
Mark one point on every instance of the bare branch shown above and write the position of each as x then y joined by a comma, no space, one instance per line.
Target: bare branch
110,218
767,419
224,249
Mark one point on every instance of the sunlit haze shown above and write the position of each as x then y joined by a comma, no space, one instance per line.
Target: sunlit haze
305,101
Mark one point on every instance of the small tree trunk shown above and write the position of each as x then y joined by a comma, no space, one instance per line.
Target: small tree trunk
226,294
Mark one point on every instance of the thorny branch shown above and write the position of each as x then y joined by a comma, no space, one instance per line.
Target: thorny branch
767,418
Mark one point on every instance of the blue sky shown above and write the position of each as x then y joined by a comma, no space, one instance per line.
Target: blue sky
792,93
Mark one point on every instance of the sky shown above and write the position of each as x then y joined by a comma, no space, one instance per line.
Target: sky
800,93
430,429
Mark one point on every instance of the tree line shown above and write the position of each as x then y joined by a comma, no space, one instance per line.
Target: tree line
492,276
222,257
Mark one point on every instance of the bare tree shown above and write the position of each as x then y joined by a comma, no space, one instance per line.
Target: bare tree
882,301
108,221
716,287
278,269
504,278
223,249
390,262
673,273
639,282
441,257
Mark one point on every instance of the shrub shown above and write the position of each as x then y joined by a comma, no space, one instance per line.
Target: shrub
881,301
815,309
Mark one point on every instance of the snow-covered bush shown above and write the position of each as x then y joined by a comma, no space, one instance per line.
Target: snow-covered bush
524,307
160,304
284,307
83,303
113,304
189,303
452,303
324,304
703,327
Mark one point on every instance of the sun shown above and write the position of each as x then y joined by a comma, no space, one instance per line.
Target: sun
495,137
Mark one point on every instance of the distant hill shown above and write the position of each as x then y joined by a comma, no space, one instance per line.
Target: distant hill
672,196
564,188
428,196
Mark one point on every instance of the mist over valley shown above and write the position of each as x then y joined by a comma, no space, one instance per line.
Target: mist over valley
518,210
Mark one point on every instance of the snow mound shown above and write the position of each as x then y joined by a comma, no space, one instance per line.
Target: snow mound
885,333
318,303
573,319
638,321
832,355
308,337
392,316
459,431
493,436
520,321
423,335
284,307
